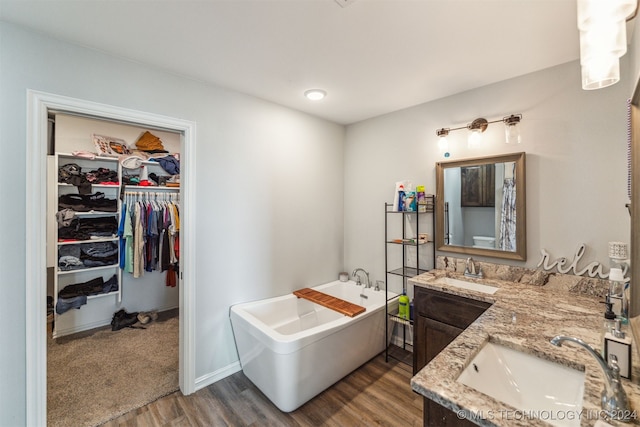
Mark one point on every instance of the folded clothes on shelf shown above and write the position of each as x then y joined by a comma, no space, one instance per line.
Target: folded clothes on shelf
92,287
87,202
86,255
87,228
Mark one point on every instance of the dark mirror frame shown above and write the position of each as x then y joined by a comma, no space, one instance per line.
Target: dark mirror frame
521,206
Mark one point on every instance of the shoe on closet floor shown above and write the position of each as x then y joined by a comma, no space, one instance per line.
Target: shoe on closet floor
122,319
147,317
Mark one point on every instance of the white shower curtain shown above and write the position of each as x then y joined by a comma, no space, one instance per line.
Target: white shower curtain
508,217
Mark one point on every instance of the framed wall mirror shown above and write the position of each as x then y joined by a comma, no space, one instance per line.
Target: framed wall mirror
481,206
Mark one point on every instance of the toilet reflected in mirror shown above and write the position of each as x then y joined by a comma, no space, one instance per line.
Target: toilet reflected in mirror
484,242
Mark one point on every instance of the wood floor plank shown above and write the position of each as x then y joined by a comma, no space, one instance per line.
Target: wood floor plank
376,394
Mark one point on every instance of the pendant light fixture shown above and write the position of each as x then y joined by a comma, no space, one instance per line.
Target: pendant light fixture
603,39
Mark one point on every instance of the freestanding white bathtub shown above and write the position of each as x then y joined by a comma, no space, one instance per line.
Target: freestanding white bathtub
292,349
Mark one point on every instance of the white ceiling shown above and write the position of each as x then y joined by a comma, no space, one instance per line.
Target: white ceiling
372,56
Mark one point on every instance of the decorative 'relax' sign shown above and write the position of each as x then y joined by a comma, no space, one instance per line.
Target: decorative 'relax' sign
563,266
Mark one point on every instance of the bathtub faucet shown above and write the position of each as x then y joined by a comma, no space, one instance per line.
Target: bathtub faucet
357,276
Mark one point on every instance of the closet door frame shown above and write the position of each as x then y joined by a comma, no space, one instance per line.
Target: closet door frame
39,105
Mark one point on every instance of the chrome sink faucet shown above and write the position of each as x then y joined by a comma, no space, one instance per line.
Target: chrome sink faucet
614,400
470,269
357,276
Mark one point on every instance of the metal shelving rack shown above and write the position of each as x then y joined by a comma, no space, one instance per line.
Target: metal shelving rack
405,272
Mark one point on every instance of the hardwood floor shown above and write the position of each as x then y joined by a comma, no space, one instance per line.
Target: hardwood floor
377,393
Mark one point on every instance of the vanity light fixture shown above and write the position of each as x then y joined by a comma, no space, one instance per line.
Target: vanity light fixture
478,126
315,94
443,144
512,129
603,39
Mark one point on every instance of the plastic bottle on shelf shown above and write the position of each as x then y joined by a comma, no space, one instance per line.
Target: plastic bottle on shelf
403,306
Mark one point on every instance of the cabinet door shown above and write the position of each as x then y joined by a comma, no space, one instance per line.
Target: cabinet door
478,186
436,415
445,308
430,338
489,186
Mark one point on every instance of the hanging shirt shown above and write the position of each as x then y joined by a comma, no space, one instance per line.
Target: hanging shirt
172,234
165,257
152,237
138,243
128,237
122,242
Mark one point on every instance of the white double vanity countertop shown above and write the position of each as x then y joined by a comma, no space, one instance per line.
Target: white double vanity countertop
523,317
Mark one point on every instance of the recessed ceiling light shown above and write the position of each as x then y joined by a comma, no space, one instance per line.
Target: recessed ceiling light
315,94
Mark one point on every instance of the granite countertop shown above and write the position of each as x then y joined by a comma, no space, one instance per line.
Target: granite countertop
540,315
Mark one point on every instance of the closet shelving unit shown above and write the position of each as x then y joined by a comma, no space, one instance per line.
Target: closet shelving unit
407,243
63,278
148,192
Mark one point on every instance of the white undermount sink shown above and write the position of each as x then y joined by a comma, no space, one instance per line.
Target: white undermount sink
528,383
486,289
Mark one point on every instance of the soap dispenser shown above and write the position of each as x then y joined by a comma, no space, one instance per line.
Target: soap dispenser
609,322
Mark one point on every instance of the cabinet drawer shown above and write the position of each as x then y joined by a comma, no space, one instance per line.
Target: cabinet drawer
450,309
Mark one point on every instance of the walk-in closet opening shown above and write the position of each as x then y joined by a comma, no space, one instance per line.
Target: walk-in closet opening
113,224
116,219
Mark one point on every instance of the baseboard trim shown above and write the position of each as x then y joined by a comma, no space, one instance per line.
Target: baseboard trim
208,379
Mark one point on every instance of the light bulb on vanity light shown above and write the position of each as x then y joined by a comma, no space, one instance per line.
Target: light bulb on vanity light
443,143
476,128
512,129
474,139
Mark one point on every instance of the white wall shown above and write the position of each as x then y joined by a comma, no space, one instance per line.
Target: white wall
633,53
269,212
575,142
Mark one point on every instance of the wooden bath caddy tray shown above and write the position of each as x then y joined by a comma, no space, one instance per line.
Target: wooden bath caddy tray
337,304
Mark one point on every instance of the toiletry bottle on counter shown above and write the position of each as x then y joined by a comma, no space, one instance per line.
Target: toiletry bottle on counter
616,290
618,343
609,322
617,294
403,306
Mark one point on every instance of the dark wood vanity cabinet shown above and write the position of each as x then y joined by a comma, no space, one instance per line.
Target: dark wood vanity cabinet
439,318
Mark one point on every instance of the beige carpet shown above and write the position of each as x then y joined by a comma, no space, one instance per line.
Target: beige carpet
104,374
